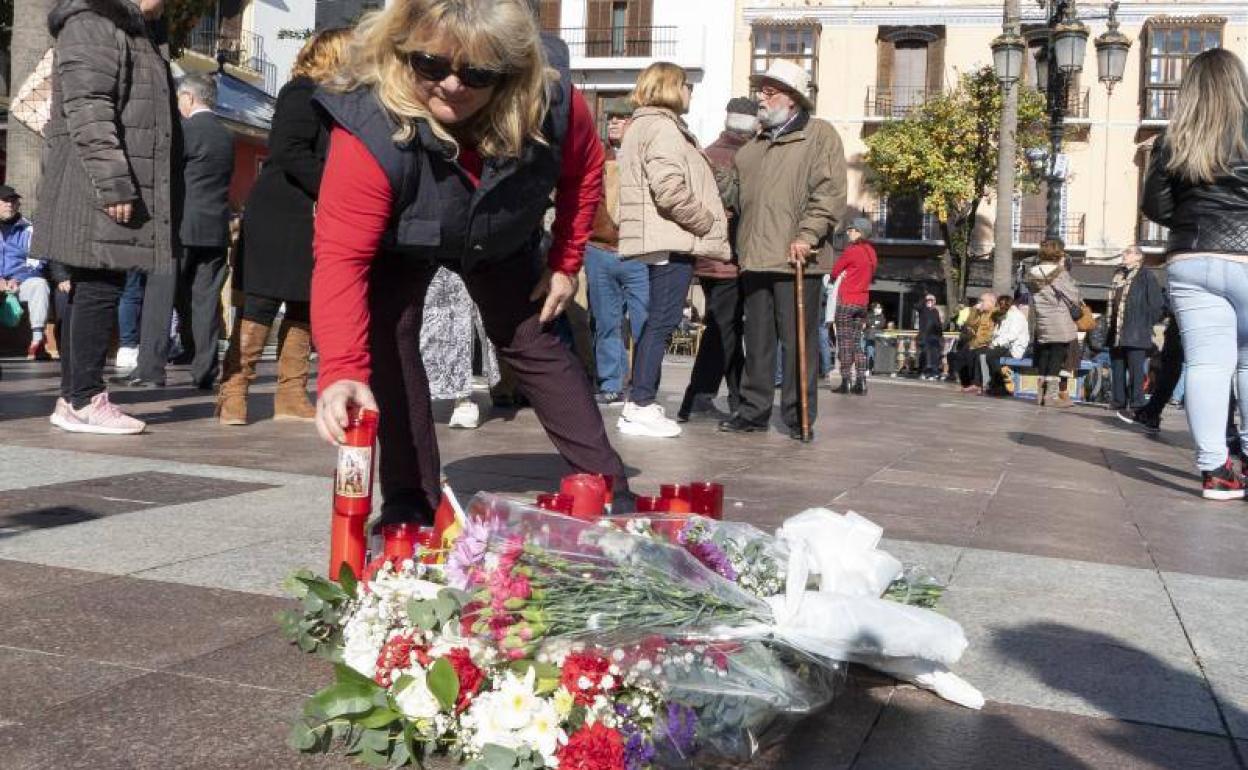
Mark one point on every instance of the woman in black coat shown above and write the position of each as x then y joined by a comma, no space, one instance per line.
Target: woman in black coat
275,249
930,338
1135,306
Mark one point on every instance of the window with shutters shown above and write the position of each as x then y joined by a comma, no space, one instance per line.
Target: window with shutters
910,67
798,43
618,28
1170,43
549,14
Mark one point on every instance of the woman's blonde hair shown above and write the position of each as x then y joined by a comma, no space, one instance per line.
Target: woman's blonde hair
659,85
322,57
1209,128
493,34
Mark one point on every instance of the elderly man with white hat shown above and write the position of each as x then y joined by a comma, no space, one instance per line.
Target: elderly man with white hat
791,182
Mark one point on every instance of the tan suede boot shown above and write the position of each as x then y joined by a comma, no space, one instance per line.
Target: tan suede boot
238,370
1063,395
294,346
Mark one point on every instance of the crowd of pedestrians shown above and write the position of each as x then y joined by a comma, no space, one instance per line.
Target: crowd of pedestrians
454,192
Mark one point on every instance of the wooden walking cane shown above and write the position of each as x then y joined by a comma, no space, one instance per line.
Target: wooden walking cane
803,395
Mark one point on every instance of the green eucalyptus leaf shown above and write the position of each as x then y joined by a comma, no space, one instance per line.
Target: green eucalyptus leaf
347,675
306,643
498,757
346,579
443,683
342,699
302,737
373,758
376,739
378,718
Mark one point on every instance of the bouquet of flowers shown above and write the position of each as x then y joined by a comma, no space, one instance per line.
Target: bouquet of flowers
546,641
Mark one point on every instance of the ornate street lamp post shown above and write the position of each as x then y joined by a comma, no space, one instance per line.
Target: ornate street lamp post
1059,60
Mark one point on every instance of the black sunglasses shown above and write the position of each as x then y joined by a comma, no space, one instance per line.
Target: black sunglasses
439,68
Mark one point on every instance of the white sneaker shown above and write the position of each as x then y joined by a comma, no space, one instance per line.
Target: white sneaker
466,415
127,358
63,415
647,421
102,416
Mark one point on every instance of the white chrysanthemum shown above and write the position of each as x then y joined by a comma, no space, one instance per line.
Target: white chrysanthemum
363,637
415,700
564,701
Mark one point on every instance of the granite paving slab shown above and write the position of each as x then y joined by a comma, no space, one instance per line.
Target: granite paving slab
917,730
35,682
19,580
143,623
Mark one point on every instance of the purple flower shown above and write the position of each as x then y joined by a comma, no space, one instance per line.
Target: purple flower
713,557
468,551
681,728
638,750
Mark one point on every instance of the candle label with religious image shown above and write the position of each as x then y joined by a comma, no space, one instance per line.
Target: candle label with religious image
355,468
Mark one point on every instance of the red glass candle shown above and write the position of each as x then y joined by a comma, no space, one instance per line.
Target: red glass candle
588,493
428,539
555,501
647,504
353,491
706,498
399,541
675,498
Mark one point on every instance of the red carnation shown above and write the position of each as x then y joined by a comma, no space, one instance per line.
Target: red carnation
581,664
595,747
397,654
470,677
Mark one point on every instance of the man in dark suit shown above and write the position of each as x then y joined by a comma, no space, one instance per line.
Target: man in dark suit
208,163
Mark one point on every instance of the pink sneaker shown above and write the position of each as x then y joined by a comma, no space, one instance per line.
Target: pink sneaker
63,415
103,416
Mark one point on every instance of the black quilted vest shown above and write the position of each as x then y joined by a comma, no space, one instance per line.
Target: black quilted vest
438,214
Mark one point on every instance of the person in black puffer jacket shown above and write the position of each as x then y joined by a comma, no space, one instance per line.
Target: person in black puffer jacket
1197,185
110,181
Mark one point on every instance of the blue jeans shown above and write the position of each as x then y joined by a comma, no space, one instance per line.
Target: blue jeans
130,309
826,362
1210,299
614,285
669,285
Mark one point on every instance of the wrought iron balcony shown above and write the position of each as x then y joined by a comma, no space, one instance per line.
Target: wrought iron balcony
620,42
895,103
1031,229
239,48
902,224
1158,101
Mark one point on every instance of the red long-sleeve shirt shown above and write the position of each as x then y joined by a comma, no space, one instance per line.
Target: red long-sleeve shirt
857,262
353,212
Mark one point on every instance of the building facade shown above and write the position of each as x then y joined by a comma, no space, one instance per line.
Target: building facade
874,60
612,41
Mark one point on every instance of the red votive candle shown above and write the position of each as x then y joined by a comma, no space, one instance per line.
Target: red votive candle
675,498
588,493
399,541
353,492
556,502
706,498
427,538
647,503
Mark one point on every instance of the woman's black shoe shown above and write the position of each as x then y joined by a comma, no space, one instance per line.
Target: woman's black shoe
860,386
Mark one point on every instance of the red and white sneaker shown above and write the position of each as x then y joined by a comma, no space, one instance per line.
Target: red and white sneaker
1223,483
103,416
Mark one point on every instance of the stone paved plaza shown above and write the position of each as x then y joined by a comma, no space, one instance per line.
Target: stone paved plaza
1106,604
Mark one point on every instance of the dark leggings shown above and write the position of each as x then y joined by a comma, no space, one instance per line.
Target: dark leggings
96,296
263,310
1050,358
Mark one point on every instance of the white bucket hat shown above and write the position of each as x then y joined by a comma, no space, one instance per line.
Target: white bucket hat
790,76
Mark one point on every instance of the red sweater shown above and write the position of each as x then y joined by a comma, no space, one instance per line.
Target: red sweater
353,214
857,262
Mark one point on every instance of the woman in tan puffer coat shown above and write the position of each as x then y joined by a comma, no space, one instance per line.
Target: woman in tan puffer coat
1053,294
670,212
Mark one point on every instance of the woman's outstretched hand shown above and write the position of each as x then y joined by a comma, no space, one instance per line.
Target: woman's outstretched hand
559,288
331,408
